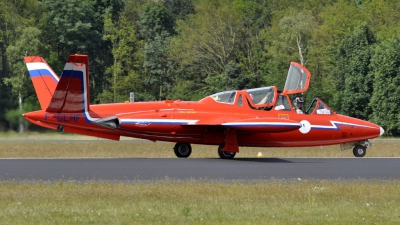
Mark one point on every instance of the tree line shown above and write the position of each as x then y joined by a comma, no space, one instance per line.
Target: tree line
188,49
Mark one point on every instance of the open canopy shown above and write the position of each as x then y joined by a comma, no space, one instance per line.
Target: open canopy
297,80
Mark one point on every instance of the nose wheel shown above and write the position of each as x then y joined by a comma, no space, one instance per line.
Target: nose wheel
359,151
182,150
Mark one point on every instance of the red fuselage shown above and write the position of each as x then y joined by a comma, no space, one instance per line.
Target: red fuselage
204,122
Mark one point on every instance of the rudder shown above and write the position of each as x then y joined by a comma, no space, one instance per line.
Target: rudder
72,93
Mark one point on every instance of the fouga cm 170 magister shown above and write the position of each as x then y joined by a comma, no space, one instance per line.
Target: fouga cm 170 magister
260,117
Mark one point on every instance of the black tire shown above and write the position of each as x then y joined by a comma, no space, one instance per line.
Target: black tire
182,150
359,151
225,155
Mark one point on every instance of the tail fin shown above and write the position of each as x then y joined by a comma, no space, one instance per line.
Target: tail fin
43,78
72,92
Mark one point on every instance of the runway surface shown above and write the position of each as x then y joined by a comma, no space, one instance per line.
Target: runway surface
239,169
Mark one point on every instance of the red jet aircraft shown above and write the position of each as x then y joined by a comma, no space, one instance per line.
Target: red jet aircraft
260,117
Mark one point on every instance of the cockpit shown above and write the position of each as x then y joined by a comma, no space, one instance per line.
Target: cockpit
269,98
282,103
262,96
257,97
224,97
319,107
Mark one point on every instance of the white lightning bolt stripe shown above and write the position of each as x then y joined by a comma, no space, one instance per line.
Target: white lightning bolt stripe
151,111
158,121
261,124
335,126
358,125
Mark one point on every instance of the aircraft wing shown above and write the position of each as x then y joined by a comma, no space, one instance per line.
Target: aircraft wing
254,124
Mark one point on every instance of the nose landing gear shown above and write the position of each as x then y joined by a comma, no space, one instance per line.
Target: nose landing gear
359,151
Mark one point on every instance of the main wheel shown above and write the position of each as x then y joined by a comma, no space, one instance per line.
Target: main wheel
182,150
225,155
359,151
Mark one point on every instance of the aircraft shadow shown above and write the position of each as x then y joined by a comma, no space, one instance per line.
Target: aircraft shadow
263,160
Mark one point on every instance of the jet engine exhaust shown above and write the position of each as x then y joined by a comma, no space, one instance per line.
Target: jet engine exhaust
109,122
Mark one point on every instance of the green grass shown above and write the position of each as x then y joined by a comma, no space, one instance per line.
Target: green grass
174,202
53,145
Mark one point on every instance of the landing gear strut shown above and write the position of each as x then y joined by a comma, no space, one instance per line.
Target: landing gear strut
182,150
359,151
225,155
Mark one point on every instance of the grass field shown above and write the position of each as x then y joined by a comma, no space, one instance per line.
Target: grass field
190,202
53,145
203,202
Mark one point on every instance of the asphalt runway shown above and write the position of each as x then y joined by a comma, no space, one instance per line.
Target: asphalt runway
238,169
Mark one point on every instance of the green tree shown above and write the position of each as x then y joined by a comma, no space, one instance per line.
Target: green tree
116,32
353,80
297,29
77,27
386,98
13,15
7,26
231,79
179,8
27,43
208,37
336,22
71,26
155,20
206,42
156,27
256,17
383,16
125,49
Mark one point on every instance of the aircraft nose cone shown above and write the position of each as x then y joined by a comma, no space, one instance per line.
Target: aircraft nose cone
382,131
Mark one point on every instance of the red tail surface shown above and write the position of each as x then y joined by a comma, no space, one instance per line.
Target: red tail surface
43,78
72,92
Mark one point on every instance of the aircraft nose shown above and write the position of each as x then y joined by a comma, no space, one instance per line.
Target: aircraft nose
382,131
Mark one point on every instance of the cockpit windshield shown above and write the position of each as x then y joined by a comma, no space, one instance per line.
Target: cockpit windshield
257,97
224,97
262,96
319,107
322,109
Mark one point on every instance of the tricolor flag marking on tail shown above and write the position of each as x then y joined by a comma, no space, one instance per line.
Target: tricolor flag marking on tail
37,69
43,78
79,72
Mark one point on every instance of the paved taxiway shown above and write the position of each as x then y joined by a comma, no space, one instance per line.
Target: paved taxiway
144,169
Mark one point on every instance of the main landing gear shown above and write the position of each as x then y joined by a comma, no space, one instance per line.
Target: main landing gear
183,150
225,155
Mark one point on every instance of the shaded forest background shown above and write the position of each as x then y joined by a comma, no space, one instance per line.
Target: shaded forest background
188,49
